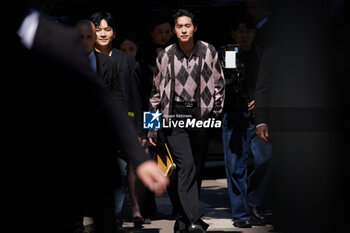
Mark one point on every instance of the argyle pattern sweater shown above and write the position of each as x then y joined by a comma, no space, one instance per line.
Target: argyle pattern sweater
201,71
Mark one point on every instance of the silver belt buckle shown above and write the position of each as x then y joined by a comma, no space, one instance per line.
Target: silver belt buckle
188,104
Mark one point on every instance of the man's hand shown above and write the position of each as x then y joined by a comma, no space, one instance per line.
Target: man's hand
251,105
263,132
153,141
151,177
142,141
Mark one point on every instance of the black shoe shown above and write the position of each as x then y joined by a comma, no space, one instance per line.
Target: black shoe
203,224
138,220
255,223
119,222
257,216
242,224
147,220
195,228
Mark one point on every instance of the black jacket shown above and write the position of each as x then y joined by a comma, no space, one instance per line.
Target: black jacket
264,86
128,82
64,129
240,82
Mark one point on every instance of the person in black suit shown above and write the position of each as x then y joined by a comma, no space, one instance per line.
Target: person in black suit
105,67
127,69
299,96
129,76
66,123
100,63
259,9
263,92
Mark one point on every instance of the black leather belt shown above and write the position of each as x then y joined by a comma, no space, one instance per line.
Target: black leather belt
187,104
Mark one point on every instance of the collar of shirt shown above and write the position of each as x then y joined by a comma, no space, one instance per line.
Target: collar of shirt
93,62
262,22
197,50
28,29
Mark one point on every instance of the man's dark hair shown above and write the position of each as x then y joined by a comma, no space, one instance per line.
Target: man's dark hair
242,18
183,12
127,35
97,17
158,19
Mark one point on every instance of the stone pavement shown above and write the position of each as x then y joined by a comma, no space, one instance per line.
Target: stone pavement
214,205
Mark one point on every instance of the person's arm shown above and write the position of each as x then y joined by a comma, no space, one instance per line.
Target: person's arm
51,42
262,95
135,97
263,89
262,130
219,83
155,96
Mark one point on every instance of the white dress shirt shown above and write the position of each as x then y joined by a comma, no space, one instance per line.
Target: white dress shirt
28,29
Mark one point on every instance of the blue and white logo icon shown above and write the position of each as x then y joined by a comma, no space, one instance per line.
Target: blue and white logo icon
151,120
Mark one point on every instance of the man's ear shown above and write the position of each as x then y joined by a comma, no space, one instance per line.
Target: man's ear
195,28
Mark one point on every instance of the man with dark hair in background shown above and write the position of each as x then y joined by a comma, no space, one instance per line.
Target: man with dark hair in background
129,76
259,10
246,191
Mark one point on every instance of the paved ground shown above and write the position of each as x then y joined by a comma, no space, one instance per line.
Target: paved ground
214,204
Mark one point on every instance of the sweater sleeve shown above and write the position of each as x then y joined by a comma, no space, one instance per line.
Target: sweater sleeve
219,94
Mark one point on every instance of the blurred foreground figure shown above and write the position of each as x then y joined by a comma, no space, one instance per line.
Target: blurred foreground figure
66,131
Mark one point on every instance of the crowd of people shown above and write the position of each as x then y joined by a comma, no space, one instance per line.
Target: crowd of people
88,116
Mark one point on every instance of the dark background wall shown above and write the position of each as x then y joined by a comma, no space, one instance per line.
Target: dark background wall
135,15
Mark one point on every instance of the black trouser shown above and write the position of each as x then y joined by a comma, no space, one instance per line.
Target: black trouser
189,147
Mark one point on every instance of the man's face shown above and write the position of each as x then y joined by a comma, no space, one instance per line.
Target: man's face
88,36
184,29
129,48
243,36
104,34
161,34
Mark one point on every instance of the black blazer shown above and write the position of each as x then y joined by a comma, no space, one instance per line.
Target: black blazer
65,126
62,131
265,36
107,74
129,77
264,86
105,68
121,75
117,126
61,109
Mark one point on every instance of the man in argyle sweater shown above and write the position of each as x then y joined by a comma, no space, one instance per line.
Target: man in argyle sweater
188,81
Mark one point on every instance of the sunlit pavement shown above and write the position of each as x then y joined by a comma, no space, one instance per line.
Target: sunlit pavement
214,205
